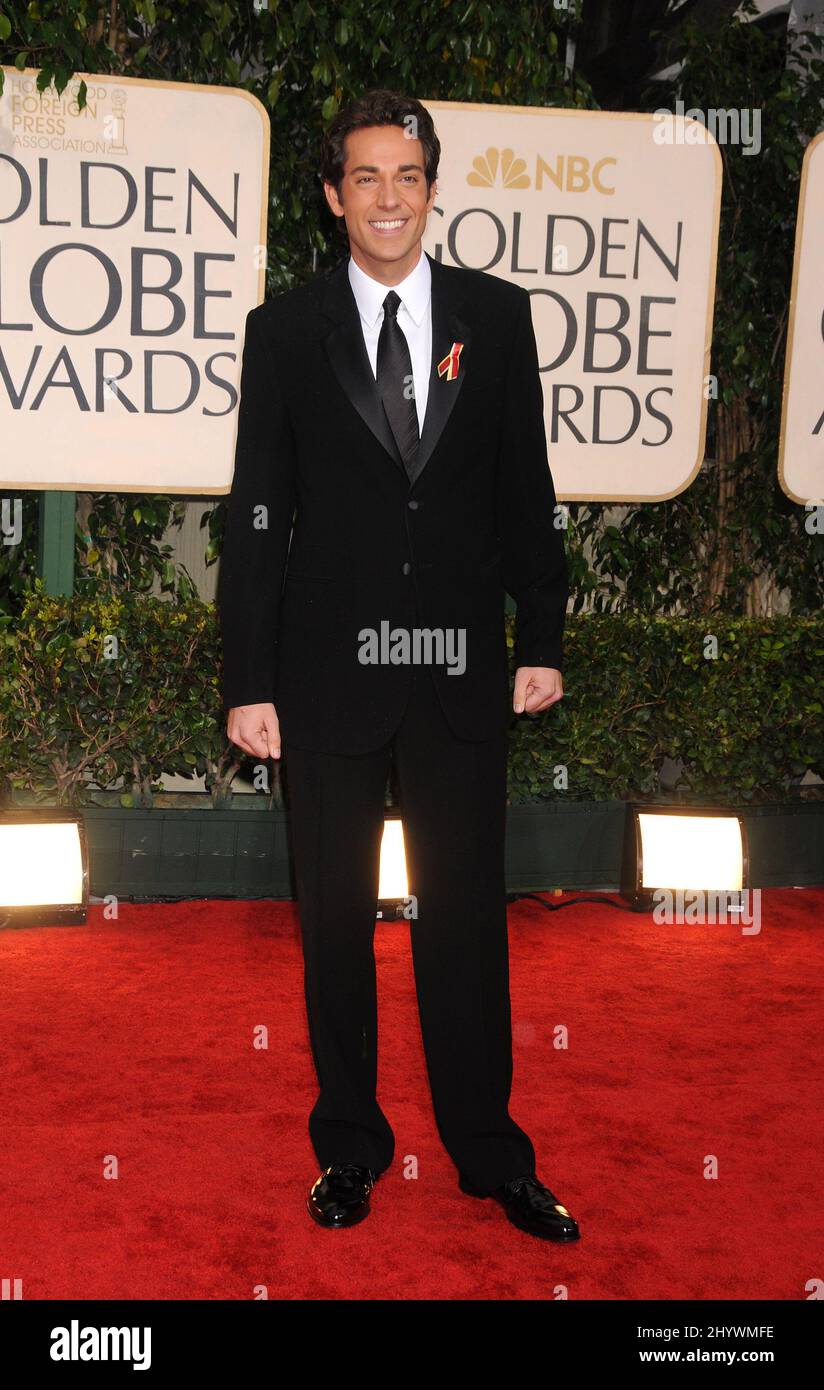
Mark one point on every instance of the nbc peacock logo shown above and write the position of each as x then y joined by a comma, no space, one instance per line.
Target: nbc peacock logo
486,167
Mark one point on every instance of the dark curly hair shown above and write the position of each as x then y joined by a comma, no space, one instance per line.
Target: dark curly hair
378,107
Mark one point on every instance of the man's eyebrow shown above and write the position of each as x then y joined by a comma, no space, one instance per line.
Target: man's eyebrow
373,168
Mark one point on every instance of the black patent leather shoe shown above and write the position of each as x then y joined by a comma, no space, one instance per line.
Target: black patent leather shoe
531,1207
340,1196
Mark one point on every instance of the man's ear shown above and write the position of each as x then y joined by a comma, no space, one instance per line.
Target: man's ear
332,199
433,193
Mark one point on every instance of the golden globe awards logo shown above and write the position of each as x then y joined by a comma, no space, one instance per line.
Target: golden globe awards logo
800,455
132,246
613,236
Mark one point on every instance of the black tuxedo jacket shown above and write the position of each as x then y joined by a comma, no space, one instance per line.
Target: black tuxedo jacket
369,547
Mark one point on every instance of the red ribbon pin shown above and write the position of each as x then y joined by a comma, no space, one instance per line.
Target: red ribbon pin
449,366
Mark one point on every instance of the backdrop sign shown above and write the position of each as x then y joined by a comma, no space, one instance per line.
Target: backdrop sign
610,220
801,448
132,238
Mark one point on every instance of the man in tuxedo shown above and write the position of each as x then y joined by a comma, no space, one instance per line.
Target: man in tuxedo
391,484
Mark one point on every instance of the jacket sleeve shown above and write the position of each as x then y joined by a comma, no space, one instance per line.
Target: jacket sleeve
534,559
258,527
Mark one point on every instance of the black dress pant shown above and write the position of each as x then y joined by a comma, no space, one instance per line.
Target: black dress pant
453,803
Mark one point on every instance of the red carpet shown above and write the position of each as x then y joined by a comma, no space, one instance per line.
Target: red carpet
135,1039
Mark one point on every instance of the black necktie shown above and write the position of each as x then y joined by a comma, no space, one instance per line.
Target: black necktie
395,383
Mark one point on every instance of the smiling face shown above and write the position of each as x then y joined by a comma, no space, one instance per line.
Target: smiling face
384,201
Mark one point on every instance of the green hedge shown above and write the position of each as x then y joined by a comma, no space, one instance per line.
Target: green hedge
746,723
72,707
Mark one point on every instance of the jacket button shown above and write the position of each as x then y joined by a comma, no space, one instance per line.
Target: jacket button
412,505
407,568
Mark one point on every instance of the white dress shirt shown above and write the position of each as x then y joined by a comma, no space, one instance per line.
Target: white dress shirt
414,318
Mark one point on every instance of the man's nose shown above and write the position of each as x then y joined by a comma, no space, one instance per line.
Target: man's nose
387,195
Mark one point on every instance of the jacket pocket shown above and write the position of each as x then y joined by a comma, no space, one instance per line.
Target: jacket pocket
302,577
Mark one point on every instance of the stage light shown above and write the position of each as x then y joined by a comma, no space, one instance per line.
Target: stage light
393,889
682,848
44,871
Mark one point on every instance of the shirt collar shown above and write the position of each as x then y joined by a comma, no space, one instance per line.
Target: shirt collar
413,292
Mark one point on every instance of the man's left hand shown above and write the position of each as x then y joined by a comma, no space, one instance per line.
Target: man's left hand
536,688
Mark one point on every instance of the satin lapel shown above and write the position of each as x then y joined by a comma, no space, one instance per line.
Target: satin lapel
348,358
447,328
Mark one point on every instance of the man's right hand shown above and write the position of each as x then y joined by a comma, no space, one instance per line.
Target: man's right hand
255,729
